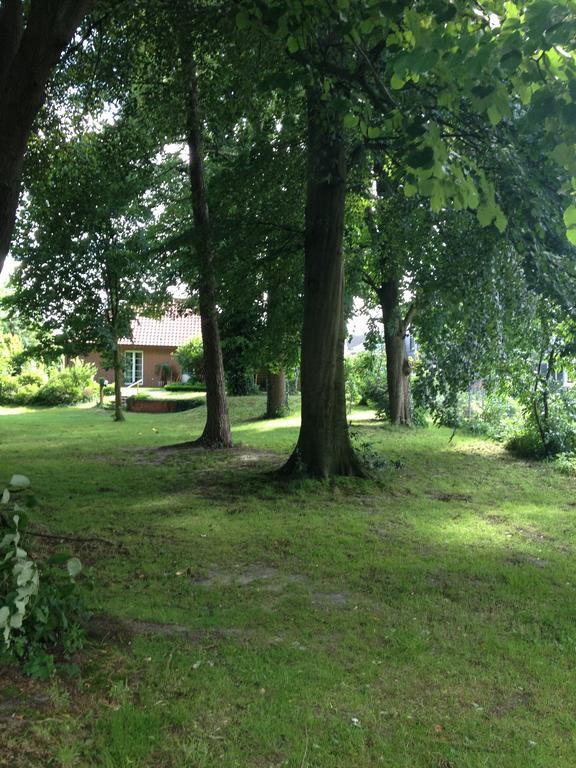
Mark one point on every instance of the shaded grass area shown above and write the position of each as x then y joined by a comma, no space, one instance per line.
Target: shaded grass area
423,620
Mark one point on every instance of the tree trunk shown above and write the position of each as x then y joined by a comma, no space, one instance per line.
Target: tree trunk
324,448
398,367
275,394
216,432
28,56
118,378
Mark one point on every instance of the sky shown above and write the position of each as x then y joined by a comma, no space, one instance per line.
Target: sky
9,265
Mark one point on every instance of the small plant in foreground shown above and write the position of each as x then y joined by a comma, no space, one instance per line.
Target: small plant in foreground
40,606
370,458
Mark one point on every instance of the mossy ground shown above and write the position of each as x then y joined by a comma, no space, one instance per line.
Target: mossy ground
423,620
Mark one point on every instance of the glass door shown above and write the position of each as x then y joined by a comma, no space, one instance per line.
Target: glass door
133,366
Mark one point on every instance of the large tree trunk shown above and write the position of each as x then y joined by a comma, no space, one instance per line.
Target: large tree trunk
398,367
275,394
118,379
324,448
29,51
216,432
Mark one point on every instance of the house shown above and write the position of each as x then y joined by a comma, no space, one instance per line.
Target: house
152,343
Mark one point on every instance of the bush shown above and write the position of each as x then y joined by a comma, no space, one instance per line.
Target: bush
495,416
40,607
190,357
27,394
565,463
189,386
71,385
550,433
35,378
240,383
8,389
366,380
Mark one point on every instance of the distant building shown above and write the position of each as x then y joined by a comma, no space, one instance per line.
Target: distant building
151,343
355,345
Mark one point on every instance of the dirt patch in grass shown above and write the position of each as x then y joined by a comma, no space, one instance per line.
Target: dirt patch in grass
496,519
330,599
445,496
521,558
105,628
220,577
269,579
237,456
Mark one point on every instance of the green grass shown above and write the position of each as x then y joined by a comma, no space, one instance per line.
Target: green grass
424,620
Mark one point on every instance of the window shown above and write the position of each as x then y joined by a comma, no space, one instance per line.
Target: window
133,366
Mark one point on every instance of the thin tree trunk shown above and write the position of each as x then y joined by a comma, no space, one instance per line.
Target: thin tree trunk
275,394
28,55
118,376
398,366
216,432
324,448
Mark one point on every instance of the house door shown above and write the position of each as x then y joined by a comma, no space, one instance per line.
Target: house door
133,367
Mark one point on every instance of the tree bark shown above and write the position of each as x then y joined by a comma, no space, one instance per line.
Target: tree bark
118,379
216,432
28,55
324,448
275,394
398,368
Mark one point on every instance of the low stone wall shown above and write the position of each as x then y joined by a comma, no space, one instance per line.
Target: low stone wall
161,406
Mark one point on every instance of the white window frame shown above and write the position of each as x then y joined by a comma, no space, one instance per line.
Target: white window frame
133,353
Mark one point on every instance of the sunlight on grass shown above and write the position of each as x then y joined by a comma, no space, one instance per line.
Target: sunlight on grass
421,620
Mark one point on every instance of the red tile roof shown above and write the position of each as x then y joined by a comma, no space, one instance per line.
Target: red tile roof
176,327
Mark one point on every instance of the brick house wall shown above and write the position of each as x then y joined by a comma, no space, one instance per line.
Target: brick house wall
156,339
151,357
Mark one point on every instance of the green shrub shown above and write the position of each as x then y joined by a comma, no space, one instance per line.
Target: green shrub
190,357
496,416
73,384
189,386
240,383
565,463
27,394
34,378
547,432
41,610
366,380
8,389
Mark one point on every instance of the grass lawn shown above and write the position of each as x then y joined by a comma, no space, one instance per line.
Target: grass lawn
427,620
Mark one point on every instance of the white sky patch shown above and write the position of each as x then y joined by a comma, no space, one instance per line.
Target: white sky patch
494,21
359,322
175,148
7,270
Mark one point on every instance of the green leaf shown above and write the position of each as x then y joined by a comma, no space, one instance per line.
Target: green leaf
292,44
74,567
373,132
19,482
570,216
494,114
396,83
501,222
351,120
242,20
511,60
485,214
421,158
